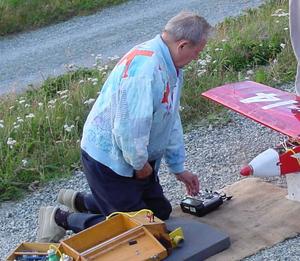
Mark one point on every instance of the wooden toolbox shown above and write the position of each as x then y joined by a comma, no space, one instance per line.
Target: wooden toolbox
30,248
118,238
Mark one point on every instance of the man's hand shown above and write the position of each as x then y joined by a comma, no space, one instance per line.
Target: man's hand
145,172
190,180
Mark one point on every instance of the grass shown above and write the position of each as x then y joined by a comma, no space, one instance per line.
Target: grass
20,15
40,130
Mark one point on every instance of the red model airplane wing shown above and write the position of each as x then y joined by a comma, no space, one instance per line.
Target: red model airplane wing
271,107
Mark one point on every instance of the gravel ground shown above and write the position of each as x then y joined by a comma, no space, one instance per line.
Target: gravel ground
215,153
31,57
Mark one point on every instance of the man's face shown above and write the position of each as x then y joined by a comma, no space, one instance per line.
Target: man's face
188,52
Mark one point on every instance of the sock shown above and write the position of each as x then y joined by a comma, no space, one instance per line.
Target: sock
61,217
79,203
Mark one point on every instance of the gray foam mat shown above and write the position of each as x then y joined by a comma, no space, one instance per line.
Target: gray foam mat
200,240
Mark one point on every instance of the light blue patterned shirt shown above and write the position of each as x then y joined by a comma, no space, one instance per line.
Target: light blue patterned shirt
136,118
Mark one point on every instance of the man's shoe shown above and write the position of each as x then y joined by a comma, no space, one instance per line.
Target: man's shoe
48,230
67,197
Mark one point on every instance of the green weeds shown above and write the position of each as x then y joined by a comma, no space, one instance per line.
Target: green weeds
40,131
20,15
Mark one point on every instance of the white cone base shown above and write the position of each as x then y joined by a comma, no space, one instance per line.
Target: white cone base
293,185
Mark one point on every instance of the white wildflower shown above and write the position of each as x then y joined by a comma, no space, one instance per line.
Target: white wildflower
24,162
64,96
19,119
52,101
249,72
81,81
95,81
279,13
62,92
11,142
1,125
11,107
16,126
98,57
202,62
208,58
89,101
30,115
40,104
68,128
286,28
66,103
22,101
282,45
113,58
201,72
27,105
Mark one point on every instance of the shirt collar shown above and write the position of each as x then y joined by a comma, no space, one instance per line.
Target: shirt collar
167,56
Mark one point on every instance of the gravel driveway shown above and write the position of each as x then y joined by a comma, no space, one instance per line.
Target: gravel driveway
31,57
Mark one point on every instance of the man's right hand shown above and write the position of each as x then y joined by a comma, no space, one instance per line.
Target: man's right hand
145,172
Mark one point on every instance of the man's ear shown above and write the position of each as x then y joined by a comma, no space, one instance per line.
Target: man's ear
181,44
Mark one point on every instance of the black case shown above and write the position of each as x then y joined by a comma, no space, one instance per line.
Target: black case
200,207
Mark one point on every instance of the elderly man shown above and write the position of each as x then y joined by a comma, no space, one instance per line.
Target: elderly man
133,124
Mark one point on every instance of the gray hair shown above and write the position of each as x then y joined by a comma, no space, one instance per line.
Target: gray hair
188,26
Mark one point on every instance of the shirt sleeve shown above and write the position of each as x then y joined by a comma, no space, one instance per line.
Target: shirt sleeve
175,152
133,119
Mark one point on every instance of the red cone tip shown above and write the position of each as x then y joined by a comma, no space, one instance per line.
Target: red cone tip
246,171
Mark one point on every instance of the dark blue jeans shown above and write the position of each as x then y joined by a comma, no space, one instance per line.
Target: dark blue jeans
112,192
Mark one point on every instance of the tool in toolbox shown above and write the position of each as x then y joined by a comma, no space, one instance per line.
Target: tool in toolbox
204,203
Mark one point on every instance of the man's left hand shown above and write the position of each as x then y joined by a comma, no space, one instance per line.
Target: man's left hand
191,182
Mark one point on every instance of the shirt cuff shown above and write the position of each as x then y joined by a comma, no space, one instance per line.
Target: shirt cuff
176,168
